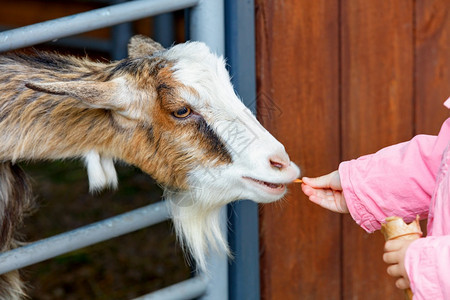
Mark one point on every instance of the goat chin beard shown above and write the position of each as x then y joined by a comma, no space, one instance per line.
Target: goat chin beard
197,225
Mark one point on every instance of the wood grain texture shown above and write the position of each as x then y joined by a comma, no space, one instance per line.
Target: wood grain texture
432,64
377,111
338,80
298,88
377,80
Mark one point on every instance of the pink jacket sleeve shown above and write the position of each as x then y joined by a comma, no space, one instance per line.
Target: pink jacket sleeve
396,181
427,263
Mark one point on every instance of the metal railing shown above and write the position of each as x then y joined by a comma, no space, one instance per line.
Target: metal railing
206,25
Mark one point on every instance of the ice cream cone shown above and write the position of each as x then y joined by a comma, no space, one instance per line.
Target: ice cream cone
396,228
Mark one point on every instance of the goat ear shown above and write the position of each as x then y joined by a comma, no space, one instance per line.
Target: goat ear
92,93
140,46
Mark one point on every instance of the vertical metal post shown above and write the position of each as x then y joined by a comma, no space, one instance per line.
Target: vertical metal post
207,24
120,35
243,215
164,29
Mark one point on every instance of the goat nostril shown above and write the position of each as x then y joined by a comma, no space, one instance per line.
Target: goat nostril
276,164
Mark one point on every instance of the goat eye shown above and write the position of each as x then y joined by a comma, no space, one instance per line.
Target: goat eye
182,112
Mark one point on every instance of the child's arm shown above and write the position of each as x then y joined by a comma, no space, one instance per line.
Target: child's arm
395,181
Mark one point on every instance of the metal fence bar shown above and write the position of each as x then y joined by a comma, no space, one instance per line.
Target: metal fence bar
244,278
84,236
87,21
120,35
164,29
207,24
188,289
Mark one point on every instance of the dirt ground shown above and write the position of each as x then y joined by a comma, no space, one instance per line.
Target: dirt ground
122,268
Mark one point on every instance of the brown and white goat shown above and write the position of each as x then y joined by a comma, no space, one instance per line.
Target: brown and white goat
171,112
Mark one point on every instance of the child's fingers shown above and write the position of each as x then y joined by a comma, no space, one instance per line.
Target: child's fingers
394,271
390,257
329,200
318,182
393,245
308,190
402,283
318,192
330,205
328,181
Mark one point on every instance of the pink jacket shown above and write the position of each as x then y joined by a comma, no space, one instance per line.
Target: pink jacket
405,180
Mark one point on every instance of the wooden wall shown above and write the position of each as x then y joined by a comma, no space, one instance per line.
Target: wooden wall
347,77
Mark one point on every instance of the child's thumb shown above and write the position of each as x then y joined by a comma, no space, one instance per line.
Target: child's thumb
317,182
331,180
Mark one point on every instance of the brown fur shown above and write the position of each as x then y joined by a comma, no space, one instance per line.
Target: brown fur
16,201
26,116
42,120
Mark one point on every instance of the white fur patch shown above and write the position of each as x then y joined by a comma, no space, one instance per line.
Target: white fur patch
198,225
101,171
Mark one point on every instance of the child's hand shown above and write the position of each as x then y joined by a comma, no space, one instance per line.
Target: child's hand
394,255
326,191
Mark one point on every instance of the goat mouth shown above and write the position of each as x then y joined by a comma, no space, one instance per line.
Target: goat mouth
272,188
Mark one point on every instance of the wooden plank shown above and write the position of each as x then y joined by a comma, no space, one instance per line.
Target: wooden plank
298,87
377,110
432,64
